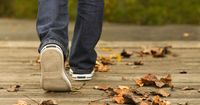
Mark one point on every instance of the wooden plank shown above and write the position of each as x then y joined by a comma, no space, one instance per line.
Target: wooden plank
80,101
136,44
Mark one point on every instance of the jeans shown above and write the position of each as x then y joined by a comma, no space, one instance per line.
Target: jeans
52,28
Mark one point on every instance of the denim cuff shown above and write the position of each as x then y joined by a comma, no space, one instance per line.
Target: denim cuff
64,49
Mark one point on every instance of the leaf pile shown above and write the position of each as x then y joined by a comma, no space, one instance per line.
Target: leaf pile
126,95
156,52
102,64
152,80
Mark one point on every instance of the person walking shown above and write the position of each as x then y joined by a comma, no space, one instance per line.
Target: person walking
52,28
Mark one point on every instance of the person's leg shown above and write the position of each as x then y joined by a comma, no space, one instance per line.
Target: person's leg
52,23
86,35
52,27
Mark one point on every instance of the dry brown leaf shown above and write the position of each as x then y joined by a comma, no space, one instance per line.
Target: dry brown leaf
138,63
102,64
141,92
123,87
149,79
183,72
21,102
48,102
187,88
121,92
102,87
144,103
119,99
131,99
152,80
161,93
156,51
130,63
159,84
167,80
101,68
126,54
184,103
105,60
13,88
158,101
139,82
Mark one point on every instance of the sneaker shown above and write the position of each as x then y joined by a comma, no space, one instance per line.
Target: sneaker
53,75
81,77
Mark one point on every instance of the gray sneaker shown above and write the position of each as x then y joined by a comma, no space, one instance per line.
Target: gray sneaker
53,75
81,77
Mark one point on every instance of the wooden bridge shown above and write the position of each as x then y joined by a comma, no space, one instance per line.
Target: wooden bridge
18,66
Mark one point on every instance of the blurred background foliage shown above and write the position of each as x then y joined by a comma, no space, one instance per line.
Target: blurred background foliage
139,12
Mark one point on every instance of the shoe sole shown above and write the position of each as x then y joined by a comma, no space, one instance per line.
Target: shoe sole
53,73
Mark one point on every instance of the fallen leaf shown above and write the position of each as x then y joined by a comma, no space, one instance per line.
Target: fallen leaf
149,79
152,80
159,84
130,63
161,93
126,54
13,88
21,102
106,49
144,103
138,63
156,51
142,93
184,103
187,88
158,101
101,68
139,82
119,99
121,92
105,60
118,57
48,102
131,99
167,80
102,87
183,72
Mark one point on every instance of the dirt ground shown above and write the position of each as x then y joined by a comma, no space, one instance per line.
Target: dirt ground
12,29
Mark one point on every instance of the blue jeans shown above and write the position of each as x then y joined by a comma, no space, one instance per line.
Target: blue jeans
52,27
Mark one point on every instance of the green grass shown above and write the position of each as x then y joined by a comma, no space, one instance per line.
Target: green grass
139,12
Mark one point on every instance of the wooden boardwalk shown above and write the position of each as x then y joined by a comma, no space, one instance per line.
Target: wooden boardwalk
18,66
